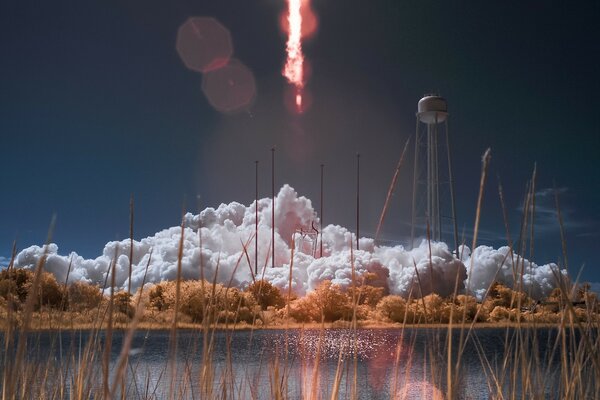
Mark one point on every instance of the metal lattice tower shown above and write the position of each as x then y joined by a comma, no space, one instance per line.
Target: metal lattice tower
433,206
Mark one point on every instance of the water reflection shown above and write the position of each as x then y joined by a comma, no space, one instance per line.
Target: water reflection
374,364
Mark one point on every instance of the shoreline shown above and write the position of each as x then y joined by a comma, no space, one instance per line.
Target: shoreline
182,326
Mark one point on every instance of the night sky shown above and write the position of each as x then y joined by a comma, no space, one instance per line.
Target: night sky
96,105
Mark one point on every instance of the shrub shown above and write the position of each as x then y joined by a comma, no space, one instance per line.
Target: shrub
500,295
83,296
122,301
366,294
8,289
392,308
50,294
249,310
581,314
193,305
436,310
156,297
363,311
198,299
483,314
500,313
304,310
16,282
465,306
331,303
266,294
589,298
246,314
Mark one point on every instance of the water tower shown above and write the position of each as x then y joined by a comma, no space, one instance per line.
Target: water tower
433,207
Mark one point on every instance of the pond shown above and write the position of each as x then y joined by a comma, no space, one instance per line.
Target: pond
406,363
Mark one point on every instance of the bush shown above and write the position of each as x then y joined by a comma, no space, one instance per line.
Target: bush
246,314
194,305
8,290
500,295
392,308
465,306
436,309
582,315
331,303
156,297
363,311
266,294
15,282
366,294
483,314
249,310
50,294
198,299
83,296
500,313
304,310
122,302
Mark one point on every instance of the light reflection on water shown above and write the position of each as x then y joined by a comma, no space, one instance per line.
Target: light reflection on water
409,363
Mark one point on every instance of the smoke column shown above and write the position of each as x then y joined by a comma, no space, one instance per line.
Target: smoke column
213,245
294,65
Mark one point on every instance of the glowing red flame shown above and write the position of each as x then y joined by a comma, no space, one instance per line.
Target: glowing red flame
309,21
297,102
294,65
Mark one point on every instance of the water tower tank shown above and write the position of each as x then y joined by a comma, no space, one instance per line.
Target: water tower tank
432,109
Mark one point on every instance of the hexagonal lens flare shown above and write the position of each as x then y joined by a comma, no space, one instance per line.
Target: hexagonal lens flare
231,88
204,44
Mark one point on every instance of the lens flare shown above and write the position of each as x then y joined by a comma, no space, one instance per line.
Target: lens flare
204,44
294,65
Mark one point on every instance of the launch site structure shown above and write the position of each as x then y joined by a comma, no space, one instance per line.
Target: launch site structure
432,180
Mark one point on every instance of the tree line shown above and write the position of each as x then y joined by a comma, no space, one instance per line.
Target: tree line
261,303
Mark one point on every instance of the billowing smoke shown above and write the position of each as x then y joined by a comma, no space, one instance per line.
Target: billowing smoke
215,239
500,265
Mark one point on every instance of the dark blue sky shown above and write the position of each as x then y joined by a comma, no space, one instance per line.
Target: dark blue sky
95,104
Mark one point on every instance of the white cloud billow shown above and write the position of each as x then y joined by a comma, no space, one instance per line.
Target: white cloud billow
224,230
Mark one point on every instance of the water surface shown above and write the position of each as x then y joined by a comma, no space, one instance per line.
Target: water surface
409,363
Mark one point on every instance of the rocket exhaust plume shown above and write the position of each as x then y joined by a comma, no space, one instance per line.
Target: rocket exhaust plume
217,238
294,65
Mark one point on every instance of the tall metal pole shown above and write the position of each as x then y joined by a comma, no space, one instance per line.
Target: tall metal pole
321,213
452,201
273,207
357,198
438,214
429,169
531,237
415,184
256,218
130,243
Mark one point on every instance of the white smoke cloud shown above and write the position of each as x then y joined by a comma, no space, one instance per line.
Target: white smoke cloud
487,265
224,231
439,273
